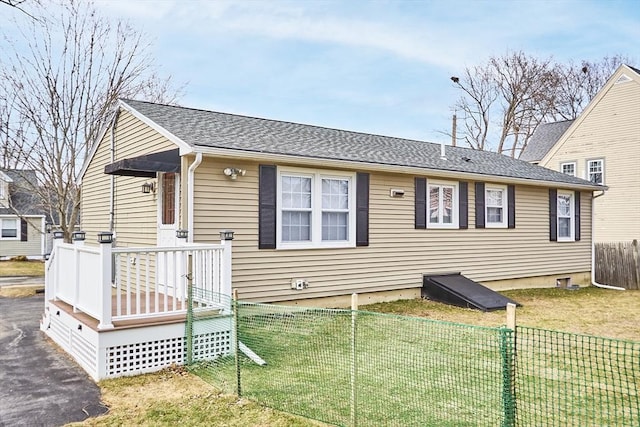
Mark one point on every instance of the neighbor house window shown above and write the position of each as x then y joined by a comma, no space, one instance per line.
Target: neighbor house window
9,229
496,206
568,168
2,185
566,217
316,209
442,205
595,171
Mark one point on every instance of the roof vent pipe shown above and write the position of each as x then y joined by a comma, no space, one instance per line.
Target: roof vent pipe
443,154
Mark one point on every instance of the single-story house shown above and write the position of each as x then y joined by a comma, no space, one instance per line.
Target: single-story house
22,221
321,213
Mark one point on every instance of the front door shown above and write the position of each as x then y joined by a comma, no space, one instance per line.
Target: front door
168,211
168,214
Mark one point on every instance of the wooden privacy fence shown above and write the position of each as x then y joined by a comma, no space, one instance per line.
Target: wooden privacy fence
618,264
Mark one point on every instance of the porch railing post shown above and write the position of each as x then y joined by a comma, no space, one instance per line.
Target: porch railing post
106,265
226,237
58,237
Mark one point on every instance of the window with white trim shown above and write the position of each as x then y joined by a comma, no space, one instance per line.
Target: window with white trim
9,229
316,209
495,206
595,171
2,189
566,217
568,168
442,204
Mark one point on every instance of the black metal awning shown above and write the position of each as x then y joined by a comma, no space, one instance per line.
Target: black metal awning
146,166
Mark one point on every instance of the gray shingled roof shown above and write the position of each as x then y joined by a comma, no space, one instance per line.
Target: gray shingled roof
200,128
21,194
543,139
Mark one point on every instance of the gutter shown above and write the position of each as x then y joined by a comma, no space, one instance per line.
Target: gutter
593,249
190,194
388,168
113,178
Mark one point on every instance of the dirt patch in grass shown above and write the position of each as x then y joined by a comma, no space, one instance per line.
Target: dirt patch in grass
19,291
589,310
175,397
21,268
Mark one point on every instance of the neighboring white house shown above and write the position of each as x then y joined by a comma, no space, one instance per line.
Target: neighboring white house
22,223
602,146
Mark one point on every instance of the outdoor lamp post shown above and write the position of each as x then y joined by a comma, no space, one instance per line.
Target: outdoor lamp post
78,235
105,237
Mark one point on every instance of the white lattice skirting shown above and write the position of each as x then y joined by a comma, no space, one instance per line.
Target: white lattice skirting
133,351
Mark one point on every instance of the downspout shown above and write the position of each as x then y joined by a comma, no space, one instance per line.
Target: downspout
593,249
113,178
190,194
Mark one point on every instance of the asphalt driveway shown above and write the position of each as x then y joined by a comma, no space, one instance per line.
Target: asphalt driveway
39,384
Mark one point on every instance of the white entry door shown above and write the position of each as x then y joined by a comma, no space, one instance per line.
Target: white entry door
168,266
168,208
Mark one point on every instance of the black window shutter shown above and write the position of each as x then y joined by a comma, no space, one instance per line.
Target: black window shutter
479,204
511,206
24,230
577,215
463,205
553,214
362,209
421,203
267,207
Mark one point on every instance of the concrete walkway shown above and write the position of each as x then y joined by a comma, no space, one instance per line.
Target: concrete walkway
39,384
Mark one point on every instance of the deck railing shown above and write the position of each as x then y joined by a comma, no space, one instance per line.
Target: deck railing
114,284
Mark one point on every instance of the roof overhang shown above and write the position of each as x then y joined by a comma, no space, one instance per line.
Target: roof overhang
146,166
390,168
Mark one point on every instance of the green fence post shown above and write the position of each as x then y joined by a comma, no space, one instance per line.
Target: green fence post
237,342
508,351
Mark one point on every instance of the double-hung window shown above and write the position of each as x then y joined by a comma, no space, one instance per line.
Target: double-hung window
9,229
496,206
316,209
595,171
442,205
566,217
568,168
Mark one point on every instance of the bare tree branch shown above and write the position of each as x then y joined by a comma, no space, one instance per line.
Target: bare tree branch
60,91
505,100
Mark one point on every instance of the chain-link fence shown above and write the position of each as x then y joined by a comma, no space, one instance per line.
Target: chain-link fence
353,368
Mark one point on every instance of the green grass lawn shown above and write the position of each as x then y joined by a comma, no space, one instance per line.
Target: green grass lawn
21,268
431,370
426,370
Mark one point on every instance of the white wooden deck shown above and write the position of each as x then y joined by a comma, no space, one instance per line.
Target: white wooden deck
122,311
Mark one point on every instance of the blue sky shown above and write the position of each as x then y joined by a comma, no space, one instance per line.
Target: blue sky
372,66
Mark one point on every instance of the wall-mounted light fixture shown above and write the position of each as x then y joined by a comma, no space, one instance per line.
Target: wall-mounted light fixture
226,235
149,187
47,227
233,173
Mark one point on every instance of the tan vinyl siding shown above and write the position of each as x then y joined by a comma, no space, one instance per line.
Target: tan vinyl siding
135,212
397,256
32,247
609,131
